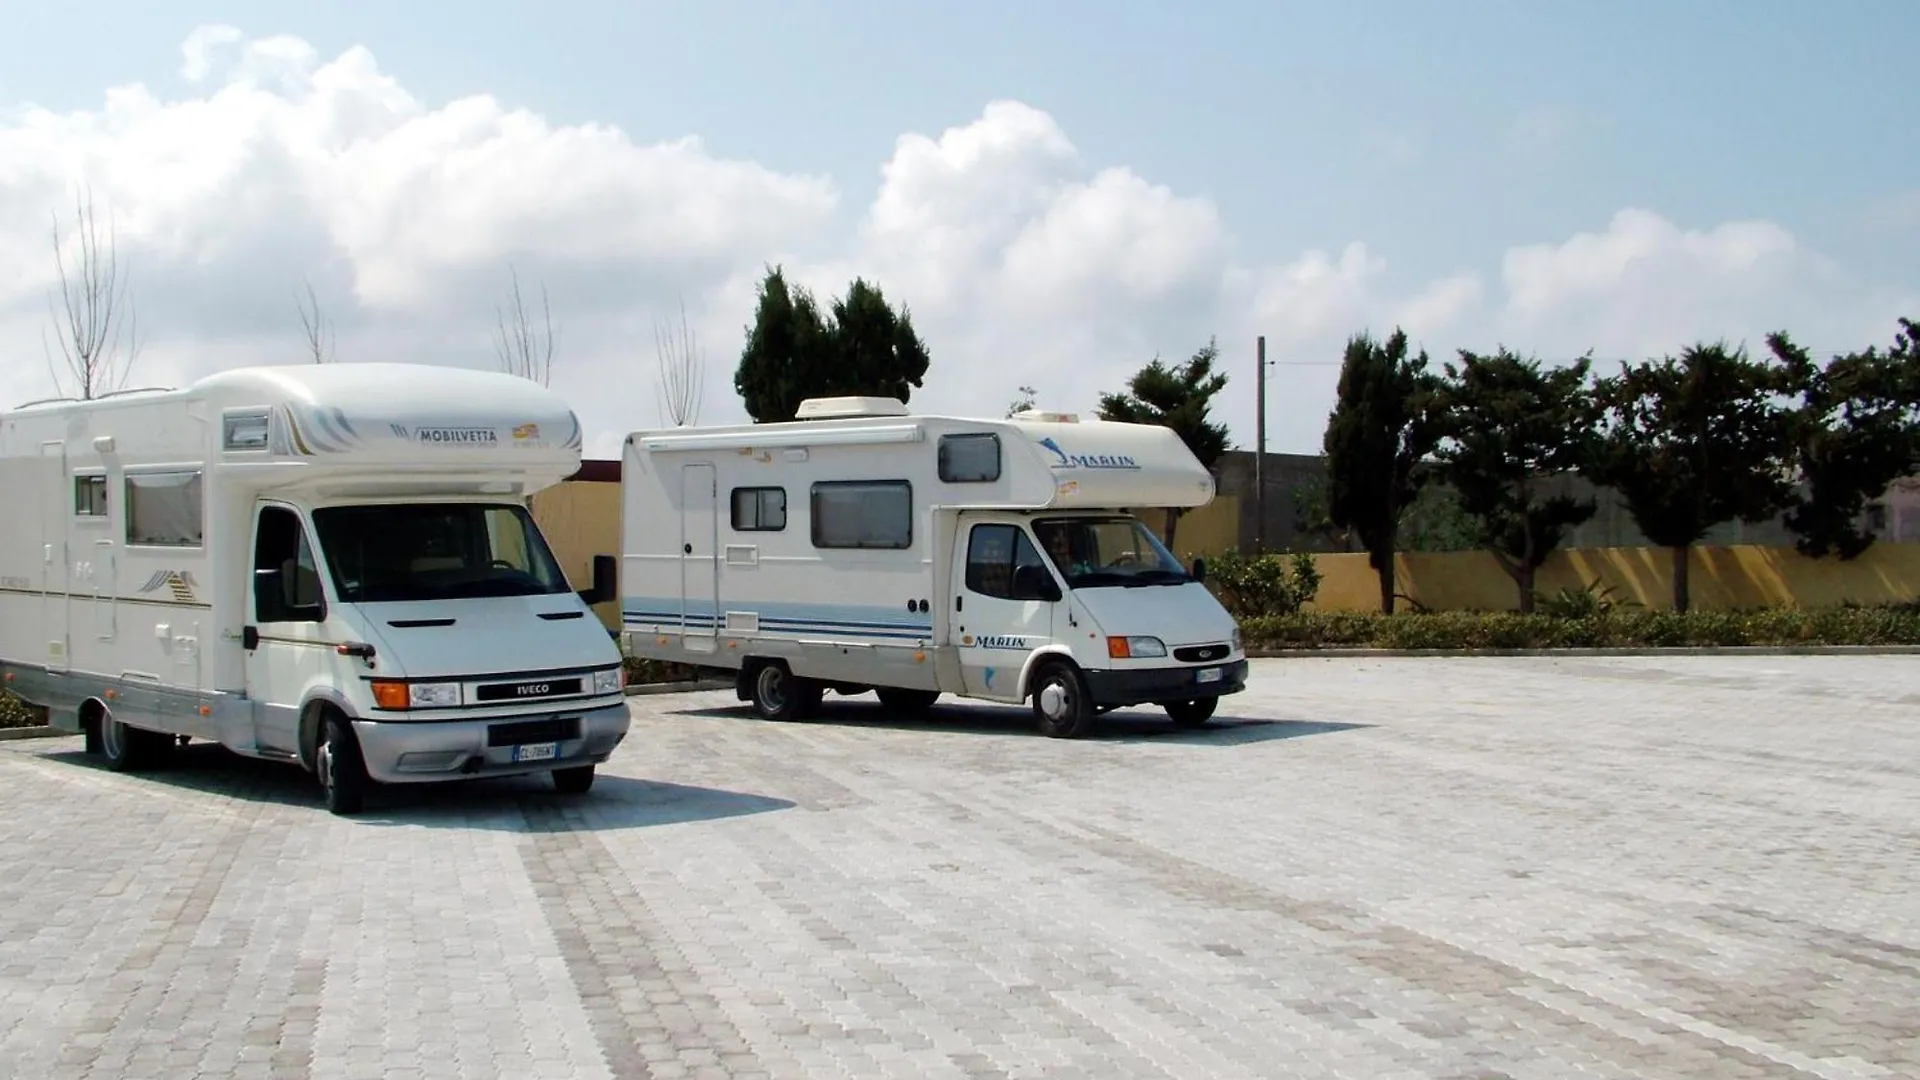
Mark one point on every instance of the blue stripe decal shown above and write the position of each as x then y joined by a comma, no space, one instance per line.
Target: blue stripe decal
861,620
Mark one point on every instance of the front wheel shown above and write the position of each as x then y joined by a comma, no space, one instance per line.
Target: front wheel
342,771
573,781
1191,714
1061,707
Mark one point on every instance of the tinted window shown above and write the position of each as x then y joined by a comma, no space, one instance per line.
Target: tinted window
435,551
970,459
90,496
289,590
993,553
863,514
760,509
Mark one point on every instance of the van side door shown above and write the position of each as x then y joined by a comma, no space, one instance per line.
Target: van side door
284,641
1003,607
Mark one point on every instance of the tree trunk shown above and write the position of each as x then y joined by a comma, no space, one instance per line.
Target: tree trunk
1524,578
1680,561
1383,566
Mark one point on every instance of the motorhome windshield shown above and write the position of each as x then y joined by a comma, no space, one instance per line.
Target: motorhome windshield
1117,551
435,551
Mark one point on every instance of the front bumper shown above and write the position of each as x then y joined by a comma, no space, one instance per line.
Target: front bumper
418,751
1155,686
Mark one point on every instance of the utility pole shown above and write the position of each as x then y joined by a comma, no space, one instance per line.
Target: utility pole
1260,448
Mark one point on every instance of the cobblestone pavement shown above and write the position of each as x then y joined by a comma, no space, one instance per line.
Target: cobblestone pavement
1475,868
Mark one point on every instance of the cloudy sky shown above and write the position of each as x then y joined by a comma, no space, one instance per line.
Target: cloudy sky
1058,191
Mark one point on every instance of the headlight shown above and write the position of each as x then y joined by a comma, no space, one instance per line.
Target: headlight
608,682
433,695
1122,648
1236,639
397,695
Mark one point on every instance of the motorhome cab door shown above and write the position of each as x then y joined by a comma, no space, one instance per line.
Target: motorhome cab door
286,649
1004,608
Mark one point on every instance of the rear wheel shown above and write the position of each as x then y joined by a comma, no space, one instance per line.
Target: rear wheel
1193,713
1060,704
778,694
573,781
907,701
342,771
122,746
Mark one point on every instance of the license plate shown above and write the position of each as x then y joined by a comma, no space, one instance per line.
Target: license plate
1207,674
539,751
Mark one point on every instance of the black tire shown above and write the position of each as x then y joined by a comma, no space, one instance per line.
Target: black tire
574,781
90,736
907,701
126,748
1192,714
340,767
1061,707
778,694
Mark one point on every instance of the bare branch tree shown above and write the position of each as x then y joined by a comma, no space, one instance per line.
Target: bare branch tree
314,322
680,372
93,316
524,349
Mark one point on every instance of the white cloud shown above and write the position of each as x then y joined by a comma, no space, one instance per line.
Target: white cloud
1022,262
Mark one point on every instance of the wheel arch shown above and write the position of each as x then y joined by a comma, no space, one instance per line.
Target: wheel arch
1040,657
321,701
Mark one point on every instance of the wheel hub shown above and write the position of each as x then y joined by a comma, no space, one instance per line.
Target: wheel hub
1053,700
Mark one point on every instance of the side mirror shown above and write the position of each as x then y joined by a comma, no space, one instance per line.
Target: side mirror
1034,583
1200,570
606,581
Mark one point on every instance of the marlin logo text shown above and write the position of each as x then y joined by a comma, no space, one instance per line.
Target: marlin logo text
992,641
1087,461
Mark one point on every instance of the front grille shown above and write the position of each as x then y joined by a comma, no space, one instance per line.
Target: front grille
1200,654
521,732
528,689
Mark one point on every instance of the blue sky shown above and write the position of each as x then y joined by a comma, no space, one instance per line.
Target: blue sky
1439,135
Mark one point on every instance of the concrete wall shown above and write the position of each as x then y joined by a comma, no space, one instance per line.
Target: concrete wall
1721,577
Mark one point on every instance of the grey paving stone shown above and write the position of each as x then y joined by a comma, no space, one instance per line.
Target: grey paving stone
1410,867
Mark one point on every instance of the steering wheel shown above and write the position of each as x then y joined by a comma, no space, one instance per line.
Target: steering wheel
502,564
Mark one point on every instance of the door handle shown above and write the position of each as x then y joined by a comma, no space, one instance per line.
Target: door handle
686,549
249,638
959,603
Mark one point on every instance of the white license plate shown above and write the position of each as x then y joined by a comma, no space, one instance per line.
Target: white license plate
1207,674
539,751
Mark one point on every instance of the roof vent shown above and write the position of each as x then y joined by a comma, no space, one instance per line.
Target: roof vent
847,408
1042,416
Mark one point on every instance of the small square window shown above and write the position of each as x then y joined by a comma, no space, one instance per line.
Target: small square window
759,509
970,459
90,496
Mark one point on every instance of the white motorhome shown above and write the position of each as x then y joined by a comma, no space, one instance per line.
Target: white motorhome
860,547
331,565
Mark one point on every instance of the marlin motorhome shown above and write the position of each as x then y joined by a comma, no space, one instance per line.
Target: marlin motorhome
331,565
863,548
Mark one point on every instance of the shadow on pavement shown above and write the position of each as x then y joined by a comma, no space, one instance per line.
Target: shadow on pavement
973,718
510,804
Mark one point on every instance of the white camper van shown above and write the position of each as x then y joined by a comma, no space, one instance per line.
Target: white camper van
331,565
860,548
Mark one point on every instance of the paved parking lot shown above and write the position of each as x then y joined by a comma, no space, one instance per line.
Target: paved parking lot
1371,868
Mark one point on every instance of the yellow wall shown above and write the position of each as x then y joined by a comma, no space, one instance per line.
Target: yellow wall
1720,578
1207,530
581,519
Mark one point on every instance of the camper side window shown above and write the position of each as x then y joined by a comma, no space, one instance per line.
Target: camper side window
759,509
970,459
163,509
863,514
90,496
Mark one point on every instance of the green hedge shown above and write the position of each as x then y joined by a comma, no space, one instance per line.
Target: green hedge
644,672
15,713
1614,629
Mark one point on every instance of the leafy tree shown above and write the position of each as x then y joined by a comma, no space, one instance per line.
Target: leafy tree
1694,442
1510,429
1176,397
1022,403
794,351
1379,435
1858,431
1435,520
